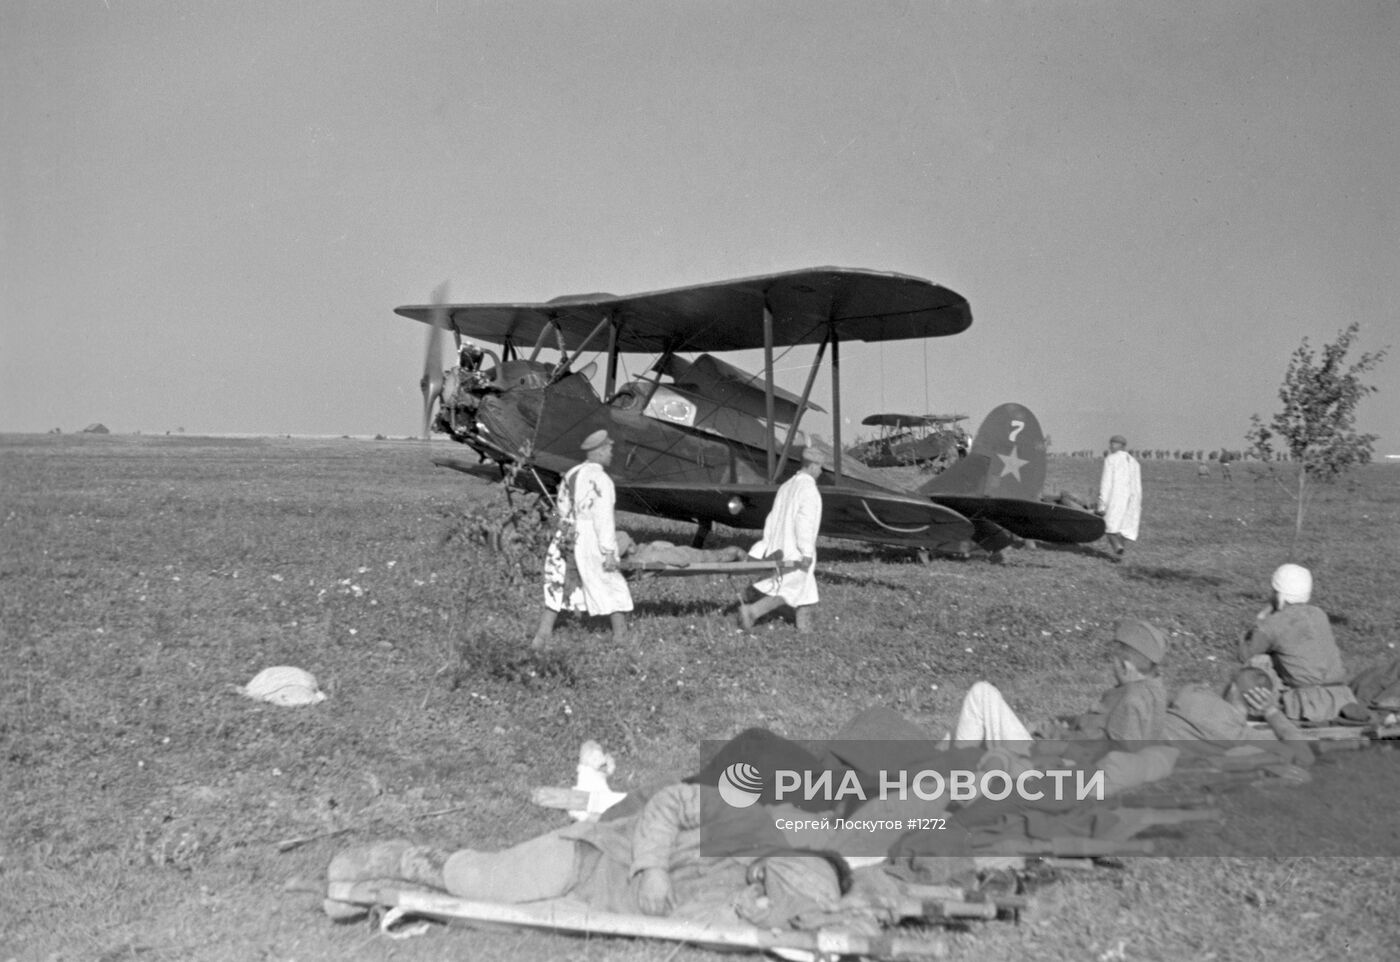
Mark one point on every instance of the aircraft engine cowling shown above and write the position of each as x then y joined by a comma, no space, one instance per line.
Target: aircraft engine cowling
506,424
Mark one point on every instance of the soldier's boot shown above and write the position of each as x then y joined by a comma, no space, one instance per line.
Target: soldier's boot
803,619
745,615
750,613
395,861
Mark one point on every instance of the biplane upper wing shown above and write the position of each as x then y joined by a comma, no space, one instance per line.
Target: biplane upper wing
727,315
898,421
856,514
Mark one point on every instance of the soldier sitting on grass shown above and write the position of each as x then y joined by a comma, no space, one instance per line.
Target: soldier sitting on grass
1293,642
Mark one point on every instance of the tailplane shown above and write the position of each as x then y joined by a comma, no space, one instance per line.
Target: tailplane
1007,459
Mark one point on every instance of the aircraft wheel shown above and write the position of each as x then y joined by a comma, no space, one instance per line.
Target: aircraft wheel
923,556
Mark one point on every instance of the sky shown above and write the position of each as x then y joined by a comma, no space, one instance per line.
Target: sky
208,211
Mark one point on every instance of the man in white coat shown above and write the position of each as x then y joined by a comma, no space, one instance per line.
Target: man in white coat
580,567
790,531
1120,495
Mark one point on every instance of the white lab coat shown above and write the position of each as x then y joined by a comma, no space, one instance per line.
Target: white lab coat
791,527
587,495
1120,494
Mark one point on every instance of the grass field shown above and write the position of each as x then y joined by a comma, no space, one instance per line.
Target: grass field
143,578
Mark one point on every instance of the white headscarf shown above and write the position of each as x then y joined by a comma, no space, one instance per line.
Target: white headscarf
1293,584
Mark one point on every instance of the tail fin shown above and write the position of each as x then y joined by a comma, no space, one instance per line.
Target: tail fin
1007,459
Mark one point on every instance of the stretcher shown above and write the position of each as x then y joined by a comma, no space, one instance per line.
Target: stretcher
750,568
1330,733
564,916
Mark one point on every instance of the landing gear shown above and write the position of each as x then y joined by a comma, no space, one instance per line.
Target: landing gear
702,531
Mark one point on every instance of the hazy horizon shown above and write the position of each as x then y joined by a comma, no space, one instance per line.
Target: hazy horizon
210,211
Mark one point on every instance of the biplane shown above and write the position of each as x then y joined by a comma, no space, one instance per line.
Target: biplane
912,440
698,439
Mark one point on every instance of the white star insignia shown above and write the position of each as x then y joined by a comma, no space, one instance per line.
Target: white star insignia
1011,464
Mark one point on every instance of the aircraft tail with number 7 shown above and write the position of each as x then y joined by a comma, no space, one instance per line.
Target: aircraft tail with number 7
1006,460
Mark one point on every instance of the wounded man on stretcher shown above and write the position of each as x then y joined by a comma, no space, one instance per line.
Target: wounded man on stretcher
653,554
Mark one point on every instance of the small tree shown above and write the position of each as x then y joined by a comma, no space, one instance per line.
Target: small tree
1317,426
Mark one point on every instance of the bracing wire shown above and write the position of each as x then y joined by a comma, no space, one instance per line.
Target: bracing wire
926,407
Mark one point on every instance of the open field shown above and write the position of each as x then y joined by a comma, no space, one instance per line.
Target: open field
141,578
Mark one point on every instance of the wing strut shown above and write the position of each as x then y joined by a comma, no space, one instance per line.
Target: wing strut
565,358
539,342
836,401
768,390
802,404
610,382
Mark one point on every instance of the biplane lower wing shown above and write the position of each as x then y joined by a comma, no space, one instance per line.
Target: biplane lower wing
525,479
884,518
1037,520
856,514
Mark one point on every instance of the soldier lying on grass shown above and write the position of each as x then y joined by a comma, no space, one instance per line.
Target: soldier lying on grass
1114,736
1133,711
650,862
1199,713
687,851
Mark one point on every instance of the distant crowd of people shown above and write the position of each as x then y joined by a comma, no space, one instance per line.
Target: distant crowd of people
1220,456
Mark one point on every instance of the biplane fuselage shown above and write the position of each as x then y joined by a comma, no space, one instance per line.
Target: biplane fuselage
909,440
668,469
906,449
